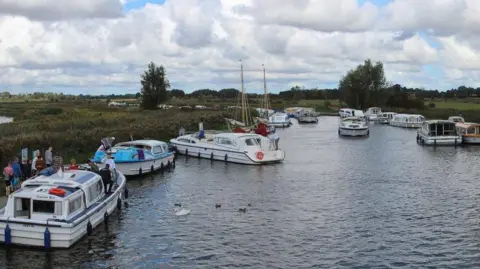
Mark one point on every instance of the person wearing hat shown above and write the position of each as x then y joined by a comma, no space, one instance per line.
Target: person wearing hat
111,163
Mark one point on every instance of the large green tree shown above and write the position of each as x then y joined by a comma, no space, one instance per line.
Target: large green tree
363,86
154,86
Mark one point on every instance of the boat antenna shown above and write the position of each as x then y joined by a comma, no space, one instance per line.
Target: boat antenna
266,100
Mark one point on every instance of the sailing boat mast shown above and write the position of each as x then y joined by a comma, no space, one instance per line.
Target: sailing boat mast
242,93
266,101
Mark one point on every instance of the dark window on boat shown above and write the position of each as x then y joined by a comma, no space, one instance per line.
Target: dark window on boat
183,140
22,208
250,142
43,207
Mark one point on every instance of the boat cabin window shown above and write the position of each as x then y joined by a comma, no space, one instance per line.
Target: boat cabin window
251,142
223,141
165,147
157,150
74,205
43,206
440,129
471,130
22,208
95,191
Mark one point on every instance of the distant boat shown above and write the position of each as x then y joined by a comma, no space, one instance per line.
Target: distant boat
407,120
469,131
307,117
138,157
373,113
353,126
385,117
58,210
456,119
279,120
438,132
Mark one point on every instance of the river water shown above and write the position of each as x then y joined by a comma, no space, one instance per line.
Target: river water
379,202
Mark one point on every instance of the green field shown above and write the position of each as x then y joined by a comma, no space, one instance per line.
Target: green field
455,104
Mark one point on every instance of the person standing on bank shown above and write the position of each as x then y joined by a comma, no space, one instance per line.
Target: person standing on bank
8,176
49,157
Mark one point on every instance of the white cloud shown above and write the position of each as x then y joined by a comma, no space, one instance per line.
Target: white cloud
94,44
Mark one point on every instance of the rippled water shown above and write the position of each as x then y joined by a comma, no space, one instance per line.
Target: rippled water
379,202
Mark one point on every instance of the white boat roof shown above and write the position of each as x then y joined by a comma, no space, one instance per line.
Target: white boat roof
374,107
439,122
409,115
146,142
389,112
69,181
466,124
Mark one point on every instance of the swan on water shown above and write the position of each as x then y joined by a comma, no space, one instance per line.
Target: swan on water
181,212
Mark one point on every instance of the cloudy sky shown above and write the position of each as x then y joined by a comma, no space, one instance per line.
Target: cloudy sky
102,46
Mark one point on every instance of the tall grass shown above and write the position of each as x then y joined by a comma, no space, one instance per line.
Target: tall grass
76,129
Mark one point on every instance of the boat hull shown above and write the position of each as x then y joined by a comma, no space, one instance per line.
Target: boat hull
232,156
406,124
470,140
26,232
144,167
280,124
309,119
439,140
353,131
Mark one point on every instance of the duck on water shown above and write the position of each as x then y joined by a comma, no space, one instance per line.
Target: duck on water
58,210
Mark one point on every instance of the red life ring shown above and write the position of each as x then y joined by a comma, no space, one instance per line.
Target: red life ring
57,191
259,155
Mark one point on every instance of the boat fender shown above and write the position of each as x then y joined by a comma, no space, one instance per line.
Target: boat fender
368,132
161,166
151,168
259,155
173,163
455,142
89,228
140,172
8,235
434,142
105,218
46,238
169,165
199,154
186,152
211,156
119,203
126,193
226,157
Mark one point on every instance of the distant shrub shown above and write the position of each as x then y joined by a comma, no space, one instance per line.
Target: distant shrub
432,105
327,103
51,111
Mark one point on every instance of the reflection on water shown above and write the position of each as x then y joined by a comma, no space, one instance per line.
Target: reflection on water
379,202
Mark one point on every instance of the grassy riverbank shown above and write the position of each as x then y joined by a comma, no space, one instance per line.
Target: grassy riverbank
75,128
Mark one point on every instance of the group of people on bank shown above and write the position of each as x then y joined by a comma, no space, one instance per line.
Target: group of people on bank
16,172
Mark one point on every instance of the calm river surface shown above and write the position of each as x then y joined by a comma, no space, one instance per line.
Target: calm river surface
380,202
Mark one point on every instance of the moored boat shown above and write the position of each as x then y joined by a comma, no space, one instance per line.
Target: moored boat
353,126
307,117
372,113
279,120
438,133
345,112
456,119
137,157
407,120
58,210
469,131
385,117
243,148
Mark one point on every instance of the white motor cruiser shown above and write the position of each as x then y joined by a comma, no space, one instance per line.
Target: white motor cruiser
439,133
353,126
244,148
58,210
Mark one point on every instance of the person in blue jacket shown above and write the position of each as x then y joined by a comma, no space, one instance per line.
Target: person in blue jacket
17,172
